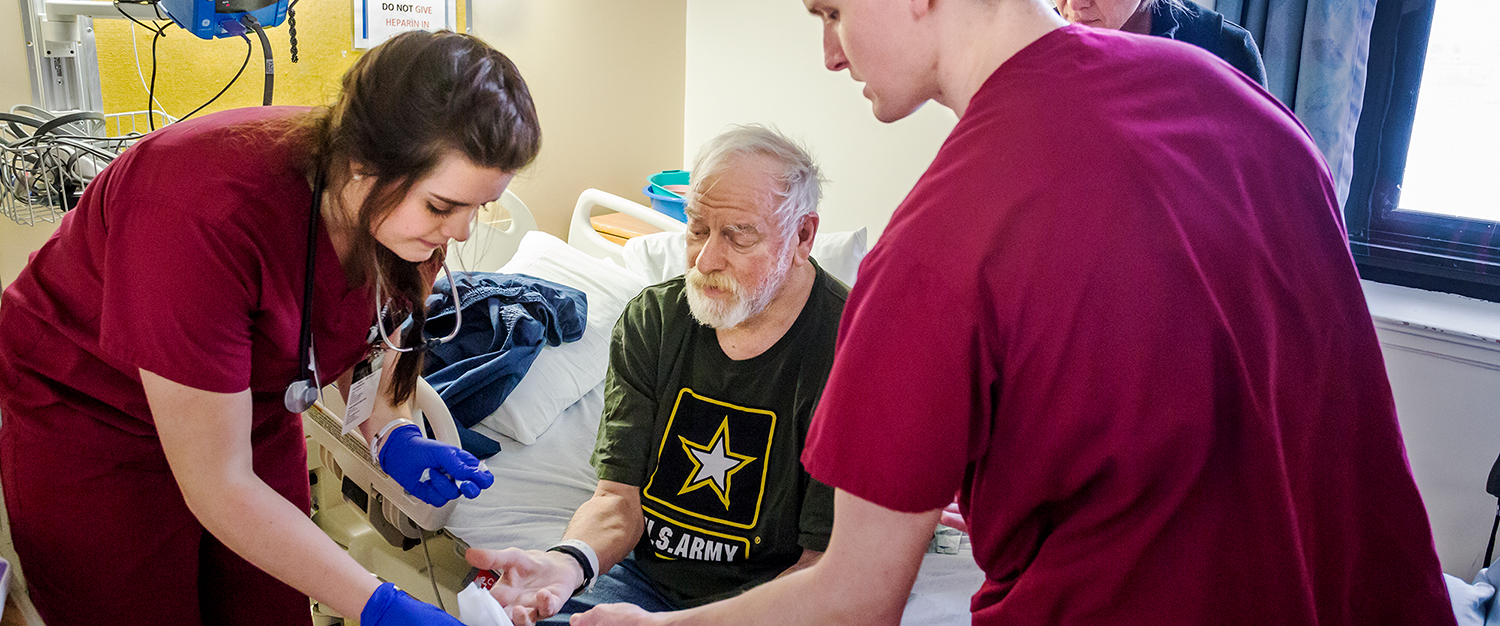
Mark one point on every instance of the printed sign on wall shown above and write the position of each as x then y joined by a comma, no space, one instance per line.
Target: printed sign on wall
378,20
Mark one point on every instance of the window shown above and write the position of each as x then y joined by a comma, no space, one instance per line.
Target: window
1424,204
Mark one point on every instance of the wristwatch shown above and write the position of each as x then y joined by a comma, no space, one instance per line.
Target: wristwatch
587,561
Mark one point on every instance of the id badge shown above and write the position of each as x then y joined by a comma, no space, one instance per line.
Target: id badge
362,393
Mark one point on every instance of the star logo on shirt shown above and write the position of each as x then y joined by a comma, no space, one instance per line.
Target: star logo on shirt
713,464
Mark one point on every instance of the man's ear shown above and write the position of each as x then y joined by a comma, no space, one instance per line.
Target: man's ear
807,230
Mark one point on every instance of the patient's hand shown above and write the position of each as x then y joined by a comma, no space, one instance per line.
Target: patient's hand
615,615
953,519
533,585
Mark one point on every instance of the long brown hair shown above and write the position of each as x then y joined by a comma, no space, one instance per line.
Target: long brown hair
405,105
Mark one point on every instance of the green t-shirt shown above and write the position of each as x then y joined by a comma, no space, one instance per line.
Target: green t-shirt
716,444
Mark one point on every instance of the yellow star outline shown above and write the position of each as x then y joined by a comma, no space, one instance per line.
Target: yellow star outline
718,452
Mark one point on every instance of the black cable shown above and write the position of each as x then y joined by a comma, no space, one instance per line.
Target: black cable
159,32
265,45
1492,486
151,91
291,27
132,18
1489,549
249,48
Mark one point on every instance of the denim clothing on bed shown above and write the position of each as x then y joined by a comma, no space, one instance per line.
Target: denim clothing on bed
507,318
622,583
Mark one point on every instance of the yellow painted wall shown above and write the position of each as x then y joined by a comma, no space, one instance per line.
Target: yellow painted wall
191,70
607,76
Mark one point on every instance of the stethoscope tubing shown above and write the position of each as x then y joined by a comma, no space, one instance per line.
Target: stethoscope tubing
458,320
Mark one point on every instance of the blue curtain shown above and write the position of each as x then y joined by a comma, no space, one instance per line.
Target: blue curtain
1315,53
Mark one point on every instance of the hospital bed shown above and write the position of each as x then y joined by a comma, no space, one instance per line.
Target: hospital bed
547,426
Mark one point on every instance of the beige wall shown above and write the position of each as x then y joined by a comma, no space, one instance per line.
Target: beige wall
15,82
607,77
760,61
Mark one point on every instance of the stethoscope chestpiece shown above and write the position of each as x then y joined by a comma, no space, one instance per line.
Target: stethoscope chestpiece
300,396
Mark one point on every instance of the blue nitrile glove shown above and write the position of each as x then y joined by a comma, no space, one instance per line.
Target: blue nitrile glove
433,471
390,606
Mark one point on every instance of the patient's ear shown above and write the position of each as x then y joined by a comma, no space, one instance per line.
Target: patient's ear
806,231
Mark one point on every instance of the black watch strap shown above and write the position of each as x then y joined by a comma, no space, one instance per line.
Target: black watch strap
583,563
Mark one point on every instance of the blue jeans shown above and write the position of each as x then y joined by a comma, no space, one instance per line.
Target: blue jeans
623,583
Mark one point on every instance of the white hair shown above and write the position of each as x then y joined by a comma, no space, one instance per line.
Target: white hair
802,183
1179,5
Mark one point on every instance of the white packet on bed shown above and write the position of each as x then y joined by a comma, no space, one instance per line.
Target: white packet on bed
476,607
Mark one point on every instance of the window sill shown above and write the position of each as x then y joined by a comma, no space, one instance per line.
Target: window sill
1465,329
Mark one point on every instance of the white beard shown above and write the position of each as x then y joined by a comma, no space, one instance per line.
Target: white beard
743,303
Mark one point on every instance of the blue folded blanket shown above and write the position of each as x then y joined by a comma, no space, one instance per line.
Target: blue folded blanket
507,318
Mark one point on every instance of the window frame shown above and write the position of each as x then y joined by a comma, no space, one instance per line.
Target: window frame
1426,251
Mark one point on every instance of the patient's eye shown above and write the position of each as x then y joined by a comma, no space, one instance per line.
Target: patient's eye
439,210
742,236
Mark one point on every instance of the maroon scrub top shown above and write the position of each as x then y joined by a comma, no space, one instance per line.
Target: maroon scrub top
1120,315
185,257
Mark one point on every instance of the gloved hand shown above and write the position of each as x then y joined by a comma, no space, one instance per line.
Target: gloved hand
390,606
433,471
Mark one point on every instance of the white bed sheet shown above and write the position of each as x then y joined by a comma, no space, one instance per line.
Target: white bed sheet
537,488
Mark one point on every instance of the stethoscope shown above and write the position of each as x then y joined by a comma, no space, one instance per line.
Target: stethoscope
303,392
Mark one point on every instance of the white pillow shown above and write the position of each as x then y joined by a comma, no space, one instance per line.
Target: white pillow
563,374
660,256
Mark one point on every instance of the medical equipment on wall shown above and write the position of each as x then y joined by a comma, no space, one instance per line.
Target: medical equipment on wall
205,18
44,167
209,19
63,60
47,159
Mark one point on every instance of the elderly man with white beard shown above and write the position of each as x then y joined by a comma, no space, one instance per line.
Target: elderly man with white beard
713,379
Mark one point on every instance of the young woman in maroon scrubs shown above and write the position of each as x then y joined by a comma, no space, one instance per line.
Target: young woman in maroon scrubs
152,473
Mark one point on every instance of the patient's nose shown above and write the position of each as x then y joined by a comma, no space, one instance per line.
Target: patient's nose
711,257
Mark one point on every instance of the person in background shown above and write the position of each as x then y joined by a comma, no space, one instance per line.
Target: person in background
1131,337
154,473
1182,20
712,383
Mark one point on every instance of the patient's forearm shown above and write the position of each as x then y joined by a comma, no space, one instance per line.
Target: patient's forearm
611,522
864,578
808,558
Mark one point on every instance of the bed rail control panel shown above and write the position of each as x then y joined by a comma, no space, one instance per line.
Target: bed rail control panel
398,516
